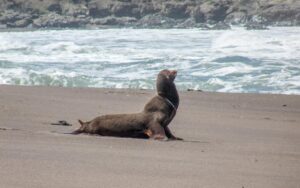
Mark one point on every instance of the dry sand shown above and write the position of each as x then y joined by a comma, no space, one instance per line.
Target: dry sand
233,140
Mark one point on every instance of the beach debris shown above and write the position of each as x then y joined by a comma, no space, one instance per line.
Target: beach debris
8,129
199,90
62,123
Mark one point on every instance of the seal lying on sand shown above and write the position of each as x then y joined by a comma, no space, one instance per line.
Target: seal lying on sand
152,122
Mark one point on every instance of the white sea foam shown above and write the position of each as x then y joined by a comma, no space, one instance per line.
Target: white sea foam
273,46
236,60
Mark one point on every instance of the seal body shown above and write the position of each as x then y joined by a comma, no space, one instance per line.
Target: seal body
152,122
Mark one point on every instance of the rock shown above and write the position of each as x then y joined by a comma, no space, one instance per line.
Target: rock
297,19
156,20
117,21
55,7
198,15
2,26
215,11
219,26
99,10
14,19
255,26
147,8
56,20
75,10
12,5
125,10
281,13
10,16
175,10
150,13
78,1
20,23
188,23
236,18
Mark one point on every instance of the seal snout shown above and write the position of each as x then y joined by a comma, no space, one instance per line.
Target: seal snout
173,72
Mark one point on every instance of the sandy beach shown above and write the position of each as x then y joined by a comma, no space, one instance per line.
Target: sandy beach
231,140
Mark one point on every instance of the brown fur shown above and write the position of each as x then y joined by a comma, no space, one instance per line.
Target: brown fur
152,122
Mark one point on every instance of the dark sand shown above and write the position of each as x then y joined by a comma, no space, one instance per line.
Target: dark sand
232,140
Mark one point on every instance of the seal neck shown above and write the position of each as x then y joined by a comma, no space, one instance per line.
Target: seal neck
173,99
169,102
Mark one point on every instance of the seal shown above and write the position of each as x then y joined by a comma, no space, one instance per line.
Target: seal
151,123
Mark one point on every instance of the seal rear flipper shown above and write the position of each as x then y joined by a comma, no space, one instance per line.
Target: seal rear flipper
82,127
81,122
78,131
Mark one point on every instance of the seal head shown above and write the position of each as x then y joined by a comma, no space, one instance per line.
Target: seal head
165,86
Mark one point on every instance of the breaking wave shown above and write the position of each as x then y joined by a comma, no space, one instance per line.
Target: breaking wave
236,60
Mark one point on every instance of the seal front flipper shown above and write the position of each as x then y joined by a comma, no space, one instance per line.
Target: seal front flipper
157,132
170,135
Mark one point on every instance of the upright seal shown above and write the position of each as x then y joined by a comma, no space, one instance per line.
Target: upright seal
152,122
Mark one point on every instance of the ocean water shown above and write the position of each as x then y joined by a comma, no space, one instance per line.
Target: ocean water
237,60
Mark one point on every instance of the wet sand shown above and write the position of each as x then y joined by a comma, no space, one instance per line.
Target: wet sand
232,140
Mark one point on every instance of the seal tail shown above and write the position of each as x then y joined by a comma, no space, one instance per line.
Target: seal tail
81,128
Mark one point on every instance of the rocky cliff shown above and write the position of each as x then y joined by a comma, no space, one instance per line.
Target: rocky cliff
209,14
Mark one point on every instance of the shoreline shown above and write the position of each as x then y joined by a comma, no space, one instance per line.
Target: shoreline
150,90
243,140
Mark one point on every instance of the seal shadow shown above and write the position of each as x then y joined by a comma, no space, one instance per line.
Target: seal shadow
142,137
